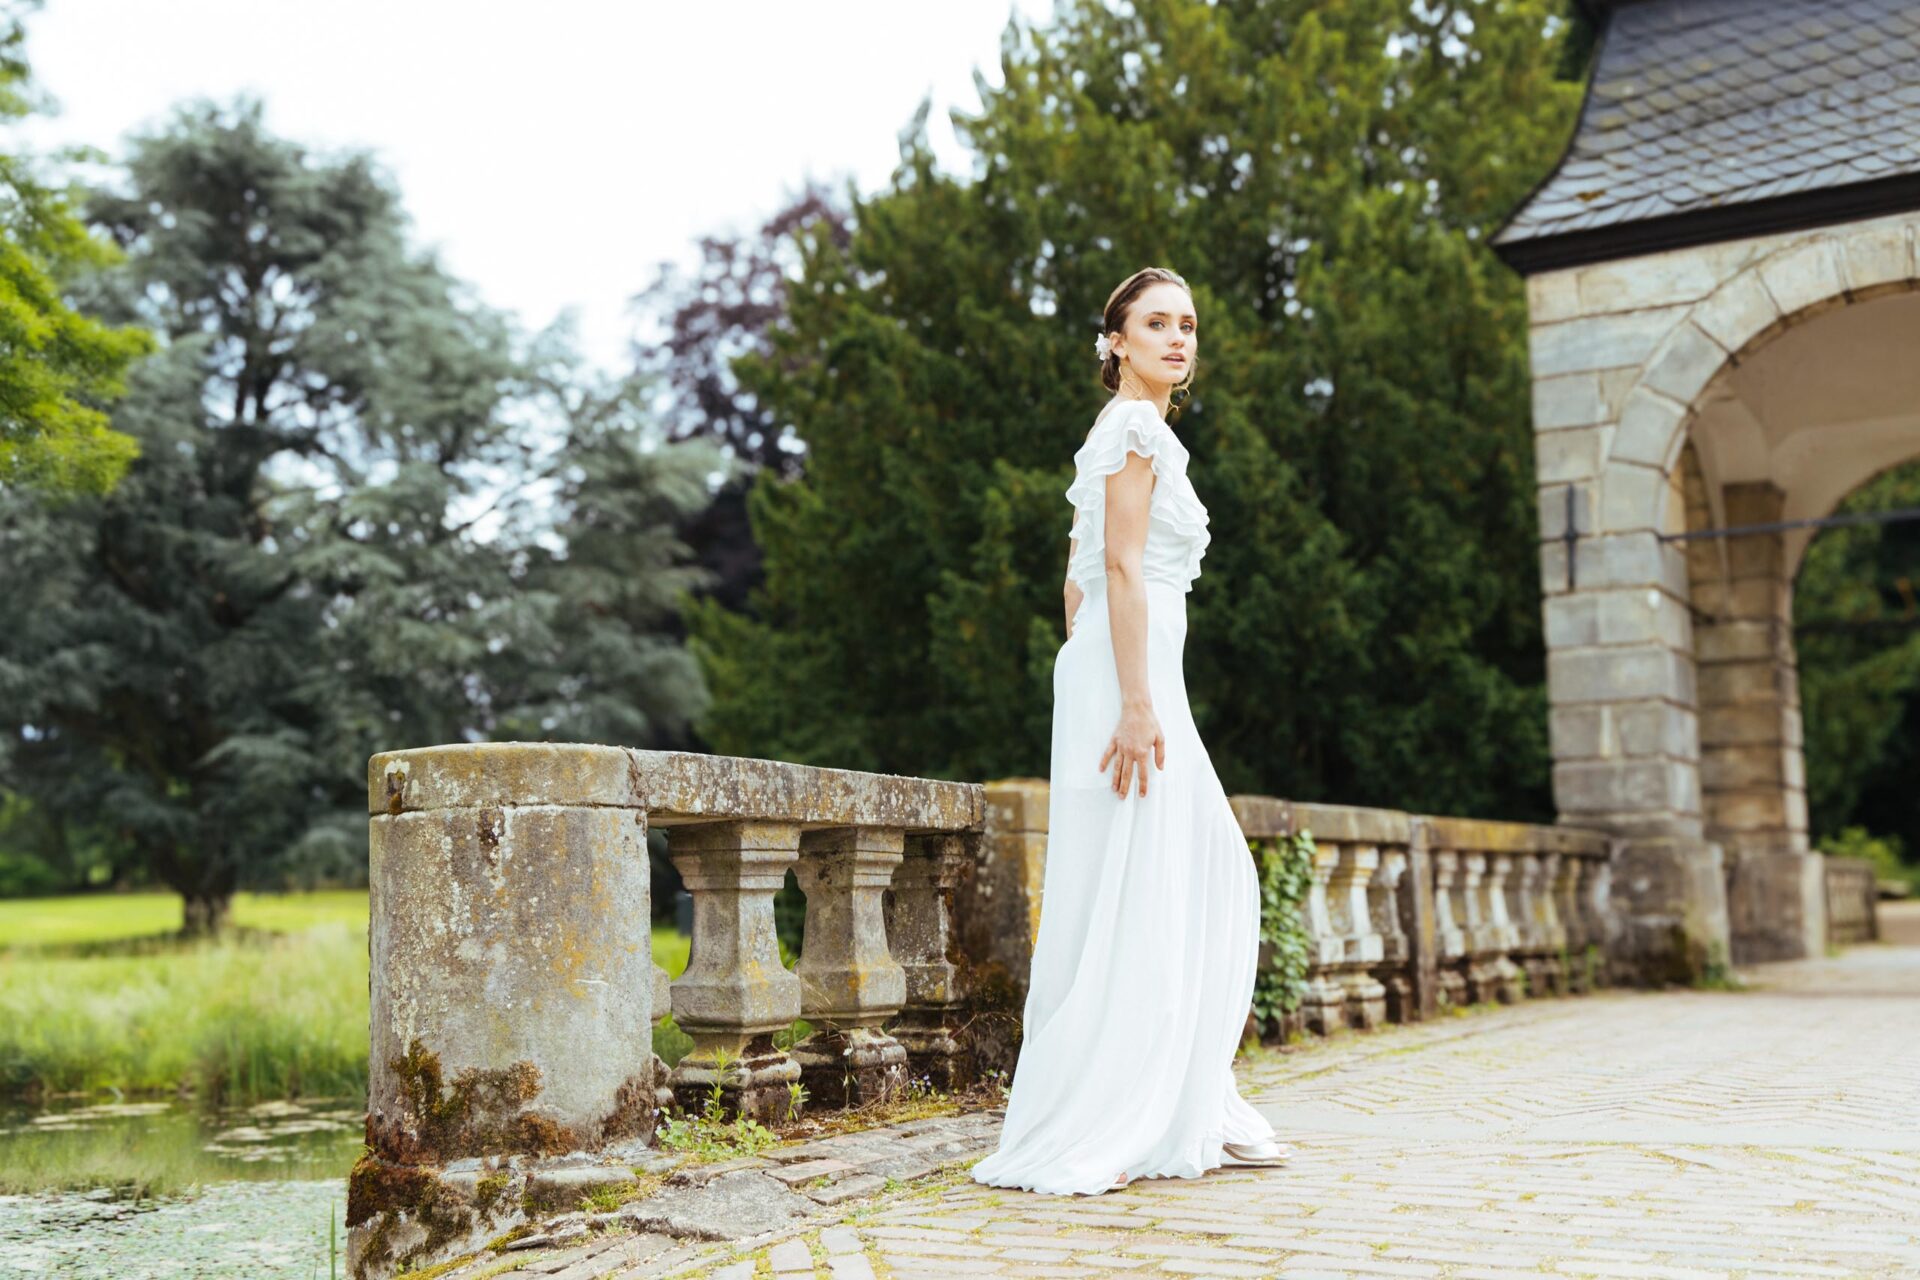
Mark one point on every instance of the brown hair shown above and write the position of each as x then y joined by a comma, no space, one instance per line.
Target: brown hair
1119,302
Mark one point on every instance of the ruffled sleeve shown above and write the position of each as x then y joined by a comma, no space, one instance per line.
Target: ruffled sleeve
1133,426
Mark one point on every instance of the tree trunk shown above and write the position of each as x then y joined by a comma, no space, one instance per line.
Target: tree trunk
206,913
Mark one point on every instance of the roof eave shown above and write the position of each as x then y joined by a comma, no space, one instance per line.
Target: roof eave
1798,212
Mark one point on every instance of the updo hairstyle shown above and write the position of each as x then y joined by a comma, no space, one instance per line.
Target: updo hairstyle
1114,319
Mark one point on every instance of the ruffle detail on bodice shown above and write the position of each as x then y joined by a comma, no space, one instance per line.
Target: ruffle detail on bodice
1177,533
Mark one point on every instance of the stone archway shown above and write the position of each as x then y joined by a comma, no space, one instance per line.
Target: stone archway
1725,385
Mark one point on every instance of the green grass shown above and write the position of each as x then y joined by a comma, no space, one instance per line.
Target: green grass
115,917
93,997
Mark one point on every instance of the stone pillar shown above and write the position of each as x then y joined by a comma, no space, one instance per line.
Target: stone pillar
735,993
919,928
996,900
1752,775
508,869
508,928
850,984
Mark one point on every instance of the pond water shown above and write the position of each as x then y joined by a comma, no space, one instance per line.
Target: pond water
176,1192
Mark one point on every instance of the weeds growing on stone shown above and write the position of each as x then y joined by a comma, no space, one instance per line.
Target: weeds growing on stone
711,1135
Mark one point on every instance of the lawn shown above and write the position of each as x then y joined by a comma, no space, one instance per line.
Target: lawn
114,917
95,997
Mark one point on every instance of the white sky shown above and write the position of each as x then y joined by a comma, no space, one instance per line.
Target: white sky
554,152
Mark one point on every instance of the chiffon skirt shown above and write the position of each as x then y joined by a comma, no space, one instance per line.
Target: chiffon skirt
1143,969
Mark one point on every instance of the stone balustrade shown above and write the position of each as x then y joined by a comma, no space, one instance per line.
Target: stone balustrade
514,994
1853,895
1406,913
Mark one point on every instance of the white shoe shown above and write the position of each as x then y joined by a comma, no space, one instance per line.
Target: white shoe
1266,1153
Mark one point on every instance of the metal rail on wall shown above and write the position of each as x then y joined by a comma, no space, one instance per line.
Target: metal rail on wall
1571,533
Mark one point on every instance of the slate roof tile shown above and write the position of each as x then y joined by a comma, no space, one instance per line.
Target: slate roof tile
1699,104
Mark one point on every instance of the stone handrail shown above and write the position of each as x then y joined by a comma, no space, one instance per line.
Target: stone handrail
514,993
1852,900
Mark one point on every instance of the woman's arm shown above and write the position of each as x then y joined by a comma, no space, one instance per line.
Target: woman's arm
1071,589
1138,734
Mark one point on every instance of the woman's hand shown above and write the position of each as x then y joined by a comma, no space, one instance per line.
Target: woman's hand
1137,736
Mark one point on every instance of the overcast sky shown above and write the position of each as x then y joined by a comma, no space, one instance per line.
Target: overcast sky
555,152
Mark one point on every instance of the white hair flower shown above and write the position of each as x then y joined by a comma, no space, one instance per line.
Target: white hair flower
1104,347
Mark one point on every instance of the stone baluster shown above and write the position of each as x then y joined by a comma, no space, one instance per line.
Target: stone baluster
1553,929
1450,937
1505,936
850,983
1323,1005
919,931
1361,948
1483,937
735,994
1573,929
1384,905
1524,905
1597,907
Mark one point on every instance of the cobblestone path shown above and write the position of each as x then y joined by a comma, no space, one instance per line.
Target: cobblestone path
1770,1131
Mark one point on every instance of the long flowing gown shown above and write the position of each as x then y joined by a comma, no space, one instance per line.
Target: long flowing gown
1143,968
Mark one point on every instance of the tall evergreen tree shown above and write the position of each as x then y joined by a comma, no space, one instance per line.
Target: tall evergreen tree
1367,625
338,537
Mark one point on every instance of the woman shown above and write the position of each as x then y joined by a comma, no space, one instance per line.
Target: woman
1143,969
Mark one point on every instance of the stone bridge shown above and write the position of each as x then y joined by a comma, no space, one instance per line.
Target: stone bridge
1589,1130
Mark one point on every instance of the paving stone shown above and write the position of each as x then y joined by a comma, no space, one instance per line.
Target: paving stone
841,1240
791,1255
844,1189
740,1203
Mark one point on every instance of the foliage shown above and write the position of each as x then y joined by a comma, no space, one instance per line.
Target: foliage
1326,176
710,1135
1286,878
343,534
1883,852
1857,633
724,309
59,368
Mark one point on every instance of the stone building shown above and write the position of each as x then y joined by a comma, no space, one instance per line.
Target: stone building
1725,343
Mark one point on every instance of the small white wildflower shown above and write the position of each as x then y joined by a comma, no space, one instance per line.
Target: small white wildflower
1103,346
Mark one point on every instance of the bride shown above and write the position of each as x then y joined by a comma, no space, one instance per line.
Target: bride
1143,969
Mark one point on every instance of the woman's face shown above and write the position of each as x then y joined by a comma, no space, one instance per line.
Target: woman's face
1161,336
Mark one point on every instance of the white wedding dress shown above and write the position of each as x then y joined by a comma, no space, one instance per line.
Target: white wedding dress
1143,969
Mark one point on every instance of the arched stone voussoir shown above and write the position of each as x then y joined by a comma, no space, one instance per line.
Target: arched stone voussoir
1766,295
1633,497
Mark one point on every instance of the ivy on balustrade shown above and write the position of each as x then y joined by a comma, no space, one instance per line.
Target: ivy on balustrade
1285,864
